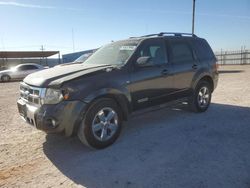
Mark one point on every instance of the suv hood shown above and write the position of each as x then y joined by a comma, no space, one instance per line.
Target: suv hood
57,75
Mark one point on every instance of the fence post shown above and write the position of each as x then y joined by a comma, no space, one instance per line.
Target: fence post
225,57
247,60
244,57
241,55
221,56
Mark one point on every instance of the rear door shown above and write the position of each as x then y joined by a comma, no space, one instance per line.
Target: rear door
184,63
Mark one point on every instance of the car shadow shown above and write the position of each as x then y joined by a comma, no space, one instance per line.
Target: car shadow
230,71
169,147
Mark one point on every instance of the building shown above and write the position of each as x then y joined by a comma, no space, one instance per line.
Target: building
12,58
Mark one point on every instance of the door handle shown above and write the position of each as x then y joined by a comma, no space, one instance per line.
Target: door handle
164,72
195,66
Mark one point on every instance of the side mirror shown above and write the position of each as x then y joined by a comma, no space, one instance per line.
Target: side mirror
144,61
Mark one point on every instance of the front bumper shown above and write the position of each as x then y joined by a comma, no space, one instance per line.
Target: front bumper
62,117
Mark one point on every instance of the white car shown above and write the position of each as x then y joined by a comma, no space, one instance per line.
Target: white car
19,72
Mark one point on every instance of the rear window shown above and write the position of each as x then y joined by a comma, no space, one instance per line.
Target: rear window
203,50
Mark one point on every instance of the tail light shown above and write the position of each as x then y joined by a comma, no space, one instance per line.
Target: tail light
216,65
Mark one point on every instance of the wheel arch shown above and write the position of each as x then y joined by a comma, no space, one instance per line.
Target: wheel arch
1,78
204,77
122,99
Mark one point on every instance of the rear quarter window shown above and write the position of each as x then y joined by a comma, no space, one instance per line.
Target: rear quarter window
203,50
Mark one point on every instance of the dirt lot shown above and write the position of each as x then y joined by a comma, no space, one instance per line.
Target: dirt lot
169,147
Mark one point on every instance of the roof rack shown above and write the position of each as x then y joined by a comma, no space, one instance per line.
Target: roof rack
171,34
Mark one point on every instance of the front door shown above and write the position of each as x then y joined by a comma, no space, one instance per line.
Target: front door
150,83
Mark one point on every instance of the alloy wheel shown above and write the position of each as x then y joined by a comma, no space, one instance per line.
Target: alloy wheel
203,97
105,124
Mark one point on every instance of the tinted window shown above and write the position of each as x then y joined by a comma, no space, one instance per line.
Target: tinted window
27,67
203,50
155,49
180,52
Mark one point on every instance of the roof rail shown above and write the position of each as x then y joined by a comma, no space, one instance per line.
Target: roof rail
171,33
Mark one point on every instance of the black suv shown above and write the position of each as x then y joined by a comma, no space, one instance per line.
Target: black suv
93,97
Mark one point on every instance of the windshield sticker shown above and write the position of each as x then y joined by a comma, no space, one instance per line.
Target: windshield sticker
127,47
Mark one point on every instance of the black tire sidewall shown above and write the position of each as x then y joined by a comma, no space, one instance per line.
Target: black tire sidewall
87,123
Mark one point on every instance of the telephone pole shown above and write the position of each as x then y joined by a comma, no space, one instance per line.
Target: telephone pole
42,49
193,16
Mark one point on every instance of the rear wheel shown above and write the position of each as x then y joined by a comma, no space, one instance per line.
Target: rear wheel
5,78
201,98
101,125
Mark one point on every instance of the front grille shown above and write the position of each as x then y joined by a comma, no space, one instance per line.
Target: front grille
31,94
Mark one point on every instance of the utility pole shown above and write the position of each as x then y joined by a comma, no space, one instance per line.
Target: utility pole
193,16
42,48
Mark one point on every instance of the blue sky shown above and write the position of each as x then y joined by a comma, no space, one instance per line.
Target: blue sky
28,24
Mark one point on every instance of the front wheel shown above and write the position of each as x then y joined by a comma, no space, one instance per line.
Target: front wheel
201,98
101,125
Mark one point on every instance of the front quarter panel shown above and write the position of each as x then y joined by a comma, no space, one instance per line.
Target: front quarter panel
100,83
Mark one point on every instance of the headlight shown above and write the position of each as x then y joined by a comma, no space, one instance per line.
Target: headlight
52,96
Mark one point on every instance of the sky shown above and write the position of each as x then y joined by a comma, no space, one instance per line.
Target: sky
29,24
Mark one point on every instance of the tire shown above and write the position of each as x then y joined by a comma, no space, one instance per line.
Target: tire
101,125
5,78
200,100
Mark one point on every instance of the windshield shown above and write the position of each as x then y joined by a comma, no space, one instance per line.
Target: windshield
116,53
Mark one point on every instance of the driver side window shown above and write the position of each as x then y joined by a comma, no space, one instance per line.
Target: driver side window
155,50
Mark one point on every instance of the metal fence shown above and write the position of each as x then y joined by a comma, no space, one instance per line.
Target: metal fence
241,57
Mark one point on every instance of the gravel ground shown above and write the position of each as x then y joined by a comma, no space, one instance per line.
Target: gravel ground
168,147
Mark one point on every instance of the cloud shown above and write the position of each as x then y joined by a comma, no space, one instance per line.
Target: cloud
225,15
33,6
23,5
241,17
11,3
